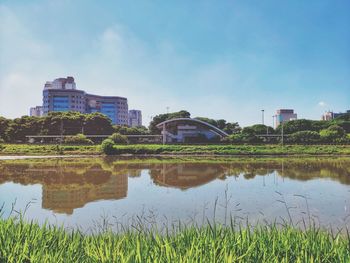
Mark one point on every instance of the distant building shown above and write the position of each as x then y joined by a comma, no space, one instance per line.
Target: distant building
62,95
184,130
36,111
284,115
135,118
329,115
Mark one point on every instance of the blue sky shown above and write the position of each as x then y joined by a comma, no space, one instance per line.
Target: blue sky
220,59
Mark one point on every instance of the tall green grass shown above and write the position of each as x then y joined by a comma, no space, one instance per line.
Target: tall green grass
232,149
28,242
219,149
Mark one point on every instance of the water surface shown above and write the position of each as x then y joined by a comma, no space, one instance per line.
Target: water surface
83,192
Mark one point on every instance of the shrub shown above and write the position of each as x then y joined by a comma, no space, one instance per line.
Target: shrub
304,137
107,146
77,139
332,133
118,138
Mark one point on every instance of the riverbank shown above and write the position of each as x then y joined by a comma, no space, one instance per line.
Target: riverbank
21,241
152,149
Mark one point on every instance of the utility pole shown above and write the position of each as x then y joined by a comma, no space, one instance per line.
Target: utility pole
273,121
61,128
282,132
167,109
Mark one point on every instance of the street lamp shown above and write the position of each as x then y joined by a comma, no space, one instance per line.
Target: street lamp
262,116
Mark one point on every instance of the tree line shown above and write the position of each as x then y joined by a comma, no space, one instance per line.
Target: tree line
61,123
73,123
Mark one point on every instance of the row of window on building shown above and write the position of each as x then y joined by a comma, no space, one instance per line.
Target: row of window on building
62,95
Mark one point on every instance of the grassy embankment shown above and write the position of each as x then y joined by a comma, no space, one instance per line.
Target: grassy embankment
28,149
28,242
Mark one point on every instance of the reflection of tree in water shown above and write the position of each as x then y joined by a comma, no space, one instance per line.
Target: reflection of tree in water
71,183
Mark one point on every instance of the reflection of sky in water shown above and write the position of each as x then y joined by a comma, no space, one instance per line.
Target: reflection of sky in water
177,191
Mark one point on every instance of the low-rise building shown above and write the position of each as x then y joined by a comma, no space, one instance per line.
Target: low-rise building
187,130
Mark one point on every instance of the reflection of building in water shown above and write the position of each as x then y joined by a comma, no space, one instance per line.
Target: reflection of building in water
66,185
186,175
64,199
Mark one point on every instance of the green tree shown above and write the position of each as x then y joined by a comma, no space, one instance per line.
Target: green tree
97,124
304,137
107,146
293,126
19,128
141,130
332,134
118,138
77,139
258,129
4,125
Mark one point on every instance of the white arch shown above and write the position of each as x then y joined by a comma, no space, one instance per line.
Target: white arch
214,129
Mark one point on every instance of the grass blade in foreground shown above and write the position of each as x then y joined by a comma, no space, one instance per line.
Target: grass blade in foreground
21,241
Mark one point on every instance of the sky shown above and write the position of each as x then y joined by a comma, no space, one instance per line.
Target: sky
218,59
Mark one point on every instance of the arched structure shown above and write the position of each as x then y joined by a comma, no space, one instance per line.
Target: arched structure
182,130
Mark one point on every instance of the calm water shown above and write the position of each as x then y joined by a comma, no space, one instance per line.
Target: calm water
85,192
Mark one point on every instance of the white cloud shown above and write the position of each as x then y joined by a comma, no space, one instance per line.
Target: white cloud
322,104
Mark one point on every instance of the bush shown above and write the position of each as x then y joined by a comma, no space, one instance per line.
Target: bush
304,137
243,138
332,134
107,146
118,138
77,139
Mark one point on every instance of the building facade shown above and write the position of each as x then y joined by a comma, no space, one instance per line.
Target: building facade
135,118
62,95
329,115
284,115
36,111
187,130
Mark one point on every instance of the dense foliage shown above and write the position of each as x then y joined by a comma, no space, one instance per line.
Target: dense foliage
28,242
216,149
125,130
118,138
296,131
72,123
56,123
77,140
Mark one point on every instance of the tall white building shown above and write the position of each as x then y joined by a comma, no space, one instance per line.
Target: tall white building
135,118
